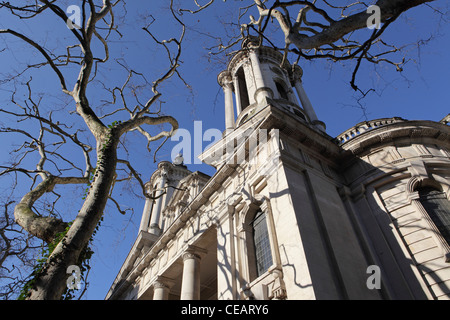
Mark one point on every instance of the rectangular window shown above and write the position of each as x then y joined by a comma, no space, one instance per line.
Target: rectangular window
263,253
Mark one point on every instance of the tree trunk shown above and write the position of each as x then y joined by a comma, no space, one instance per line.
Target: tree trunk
51,282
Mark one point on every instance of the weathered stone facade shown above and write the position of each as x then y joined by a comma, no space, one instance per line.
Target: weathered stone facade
331,207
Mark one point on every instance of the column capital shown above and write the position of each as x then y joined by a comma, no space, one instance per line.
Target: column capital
163,282
161,287
164,172
225,79
193,252
190,255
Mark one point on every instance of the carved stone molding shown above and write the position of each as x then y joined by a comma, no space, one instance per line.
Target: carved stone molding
278,288
413,197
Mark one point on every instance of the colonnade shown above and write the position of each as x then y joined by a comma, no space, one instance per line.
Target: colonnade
190,282
230,83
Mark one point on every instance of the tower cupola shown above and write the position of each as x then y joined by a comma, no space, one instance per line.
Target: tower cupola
257,76
161,187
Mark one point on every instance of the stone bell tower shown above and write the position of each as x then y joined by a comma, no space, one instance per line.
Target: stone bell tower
257,75
161,186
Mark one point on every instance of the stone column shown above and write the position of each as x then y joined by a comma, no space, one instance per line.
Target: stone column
146,215
262,91
161,288
190,286
154,222
306,103
254,60
226,83
229,109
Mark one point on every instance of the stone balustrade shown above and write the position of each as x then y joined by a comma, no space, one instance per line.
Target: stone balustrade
365,126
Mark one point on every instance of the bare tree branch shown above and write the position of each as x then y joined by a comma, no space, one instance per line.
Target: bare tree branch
47,137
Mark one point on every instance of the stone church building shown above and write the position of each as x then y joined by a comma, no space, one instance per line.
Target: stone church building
291,212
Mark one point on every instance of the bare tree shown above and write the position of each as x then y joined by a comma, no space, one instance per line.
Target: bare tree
46,136
17,253
318,31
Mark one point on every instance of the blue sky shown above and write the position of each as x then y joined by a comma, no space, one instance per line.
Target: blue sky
421,91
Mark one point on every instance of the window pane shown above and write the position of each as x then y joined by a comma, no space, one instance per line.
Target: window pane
280,88
243,91
438,208
261,240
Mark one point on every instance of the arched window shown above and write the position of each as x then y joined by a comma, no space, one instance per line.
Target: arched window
438,208
243,91
261,243
259,254
281,90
